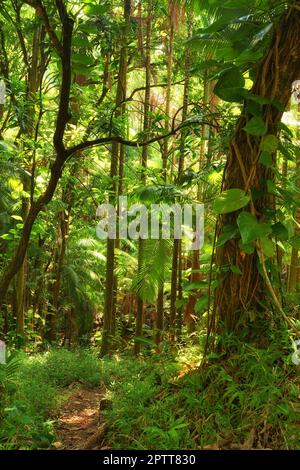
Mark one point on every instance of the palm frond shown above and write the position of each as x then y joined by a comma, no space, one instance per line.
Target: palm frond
156,260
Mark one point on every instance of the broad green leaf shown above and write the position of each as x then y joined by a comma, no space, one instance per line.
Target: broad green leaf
247,248
81,41
179,303
250,228
95,10
269,143
249,56
229,232
229,15
201,304
280,231
253,108
266,159
295,242
268,247
258,99
230,85
245,222
82,59
256,126
196,285
90,28
230,201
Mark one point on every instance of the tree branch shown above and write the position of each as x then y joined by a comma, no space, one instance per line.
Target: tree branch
63,115
131,143
41,11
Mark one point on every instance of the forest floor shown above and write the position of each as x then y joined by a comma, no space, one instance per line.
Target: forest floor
79,419
70,399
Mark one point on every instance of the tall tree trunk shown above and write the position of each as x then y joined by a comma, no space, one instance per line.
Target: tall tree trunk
35,74
165,154
190,315
294,267
278,69
176,274
146,125
116,154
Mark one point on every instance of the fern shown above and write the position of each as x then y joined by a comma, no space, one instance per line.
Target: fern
156,258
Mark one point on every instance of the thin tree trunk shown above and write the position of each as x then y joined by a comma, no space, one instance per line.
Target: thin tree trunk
146,125
35,74
165,154
176,273
294,267
109,313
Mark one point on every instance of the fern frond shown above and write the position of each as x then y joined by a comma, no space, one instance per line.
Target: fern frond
156,260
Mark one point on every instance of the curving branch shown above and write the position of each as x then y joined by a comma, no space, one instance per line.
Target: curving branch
133,143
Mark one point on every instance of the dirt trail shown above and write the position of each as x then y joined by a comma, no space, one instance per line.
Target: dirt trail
79,420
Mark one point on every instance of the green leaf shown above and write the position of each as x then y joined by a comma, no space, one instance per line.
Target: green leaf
228,16
258,99
280,231
253,108
90,28
17,217
201,304
249,56
95,10
271,187
267,247
245,223
260,36
247,248
256,126
235,270
142,340
266,159
286,152
295,242
230,85
269,143
229,232
230,201
283,127
250,228
196,285
6,236
82,59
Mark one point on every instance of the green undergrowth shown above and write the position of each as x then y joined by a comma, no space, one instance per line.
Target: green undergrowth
34,388
248,398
